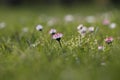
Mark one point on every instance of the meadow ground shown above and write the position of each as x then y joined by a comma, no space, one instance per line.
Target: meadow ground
28,54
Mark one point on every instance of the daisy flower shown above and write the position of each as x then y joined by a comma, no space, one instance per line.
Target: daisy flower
69,18
39,27
52,22
83,31
109,40
52,31
112,25
90,19
57,36
80,27
106,22
91,29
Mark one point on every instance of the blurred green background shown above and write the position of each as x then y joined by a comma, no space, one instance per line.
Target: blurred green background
61,2
47,61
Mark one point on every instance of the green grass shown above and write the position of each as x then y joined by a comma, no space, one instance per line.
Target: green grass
20,60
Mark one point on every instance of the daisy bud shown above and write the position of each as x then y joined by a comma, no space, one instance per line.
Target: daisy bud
109,40
57,36
52,31
91,29
39,27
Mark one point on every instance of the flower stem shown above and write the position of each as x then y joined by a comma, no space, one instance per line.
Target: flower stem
60,43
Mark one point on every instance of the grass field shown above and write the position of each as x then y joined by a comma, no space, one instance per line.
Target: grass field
28,54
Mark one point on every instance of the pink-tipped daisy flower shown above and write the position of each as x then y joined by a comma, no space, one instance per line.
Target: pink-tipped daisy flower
109,40
106,22
57,36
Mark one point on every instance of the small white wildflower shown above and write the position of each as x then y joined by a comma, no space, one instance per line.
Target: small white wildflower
103,64
39,27
35,44
69,18
25,29
90,19
100,48
91,29
95,41
2,25
51,22
112,25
